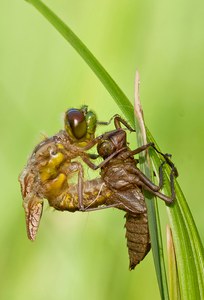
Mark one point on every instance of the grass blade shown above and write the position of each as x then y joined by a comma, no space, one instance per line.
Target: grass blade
188,246
111,86
153,217
174,290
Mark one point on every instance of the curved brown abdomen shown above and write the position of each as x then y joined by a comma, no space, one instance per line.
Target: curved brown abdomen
138,239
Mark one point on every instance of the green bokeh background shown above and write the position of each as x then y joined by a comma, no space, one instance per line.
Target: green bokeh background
84,256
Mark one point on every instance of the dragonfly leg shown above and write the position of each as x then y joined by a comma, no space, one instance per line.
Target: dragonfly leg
145,179
80,187
166,156
118,120
98,208
96,140
173,173
146,184
118,204
77,167
94,166
142,148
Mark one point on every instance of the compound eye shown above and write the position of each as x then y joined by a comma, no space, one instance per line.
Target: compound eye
75,123
105,149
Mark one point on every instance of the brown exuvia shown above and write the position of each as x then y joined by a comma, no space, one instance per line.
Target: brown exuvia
127,182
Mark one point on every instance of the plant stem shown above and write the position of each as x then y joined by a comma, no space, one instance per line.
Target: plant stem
88,57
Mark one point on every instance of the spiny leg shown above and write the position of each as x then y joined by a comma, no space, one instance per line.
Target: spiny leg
146,184
77,167
142,178
118,120
95,141
173,174
164,155
167,157
99,207
104,162
105,206
158,194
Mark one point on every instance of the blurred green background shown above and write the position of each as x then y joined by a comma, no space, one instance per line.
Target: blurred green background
84,256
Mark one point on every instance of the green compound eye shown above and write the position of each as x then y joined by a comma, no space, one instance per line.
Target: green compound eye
75,123
80,124
91,122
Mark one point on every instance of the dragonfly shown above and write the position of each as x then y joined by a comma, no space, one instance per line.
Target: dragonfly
54,161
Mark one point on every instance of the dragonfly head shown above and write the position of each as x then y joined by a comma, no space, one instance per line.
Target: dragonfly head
80,124
112,141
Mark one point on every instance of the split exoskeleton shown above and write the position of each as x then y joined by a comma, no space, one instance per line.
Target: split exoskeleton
53,162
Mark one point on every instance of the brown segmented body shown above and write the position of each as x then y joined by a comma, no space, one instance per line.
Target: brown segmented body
138,239
120,176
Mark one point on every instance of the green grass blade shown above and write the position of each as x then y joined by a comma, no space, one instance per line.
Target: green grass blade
111,86
174,288
188,247
153,217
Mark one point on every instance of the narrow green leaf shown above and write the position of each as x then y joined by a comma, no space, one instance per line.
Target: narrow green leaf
174,288
188,247
153,214
111,86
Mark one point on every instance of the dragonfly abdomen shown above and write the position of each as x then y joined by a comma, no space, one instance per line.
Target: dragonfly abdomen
138,239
